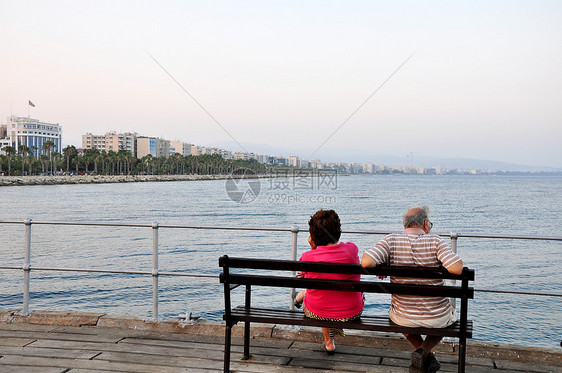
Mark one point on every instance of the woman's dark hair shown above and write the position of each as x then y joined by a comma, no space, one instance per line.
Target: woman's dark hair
324,227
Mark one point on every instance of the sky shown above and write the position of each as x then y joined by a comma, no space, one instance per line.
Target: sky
469,79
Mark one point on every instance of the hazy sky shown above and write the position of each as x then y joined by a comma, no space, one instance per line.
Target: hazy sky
485,81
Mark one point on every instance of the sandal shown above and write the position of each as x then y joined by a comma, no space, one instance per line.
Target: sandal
328,352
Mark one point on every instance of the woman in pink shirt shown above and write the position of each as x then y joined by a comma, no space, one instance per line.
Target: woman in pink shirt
325,232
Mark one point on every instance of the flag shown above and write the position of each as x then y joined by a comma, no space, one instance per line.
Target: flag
31,104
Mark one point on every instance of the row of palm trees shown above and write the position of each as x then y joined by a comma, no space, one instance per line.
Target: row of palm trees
24,154
93,161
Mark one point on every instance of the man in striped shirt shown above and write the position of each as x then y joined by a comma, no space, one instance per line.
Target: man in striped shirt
417,247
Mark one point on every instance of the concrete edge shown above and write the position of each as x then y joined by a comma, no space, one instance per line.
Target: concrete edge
476,349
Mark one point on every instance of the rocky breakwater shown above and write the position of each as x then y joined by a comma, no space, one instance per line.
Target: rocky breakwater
98,179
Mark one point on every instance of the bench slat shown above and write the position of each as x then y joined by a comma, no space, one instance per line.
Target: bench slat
382,270
343,285
378,323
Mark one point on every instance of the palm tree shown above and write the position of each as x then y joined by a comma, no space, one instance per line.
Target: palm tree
91,155
10,152
56,158
23,150
44,161
1,162
69,152
47,147
77,161
31,160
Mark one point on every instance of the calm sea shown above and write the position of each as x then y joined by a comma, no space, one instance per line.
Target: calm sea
522,205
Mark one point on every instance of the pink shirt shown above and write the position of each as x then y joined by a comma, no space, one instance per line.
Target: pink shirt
333,304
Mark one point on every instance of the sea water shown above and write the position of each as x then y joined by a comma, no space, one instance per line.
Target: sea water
507,205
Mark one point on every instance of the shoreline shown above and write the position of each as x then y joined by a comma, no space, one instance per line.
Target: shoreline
104,179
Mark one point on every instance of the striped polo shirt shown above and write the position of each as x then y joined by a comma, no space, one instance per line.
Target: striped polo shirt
415,248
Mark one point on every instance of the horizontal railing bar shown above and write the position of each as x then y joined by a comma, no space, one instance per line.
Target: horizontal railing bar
471,235
518,292
188,274
203,275
92,270
100,224
272,229
148,225
226,228
506,236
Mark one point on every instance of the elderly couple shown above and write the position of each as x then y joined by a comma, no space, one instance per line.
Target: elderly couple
416,246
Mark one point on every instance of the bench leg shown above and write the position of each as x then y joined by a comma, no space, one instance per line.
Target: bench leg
462,355
227,342
246,341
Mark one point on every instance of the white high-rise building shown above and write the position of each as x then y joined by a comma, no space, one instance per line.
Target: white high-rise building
33,133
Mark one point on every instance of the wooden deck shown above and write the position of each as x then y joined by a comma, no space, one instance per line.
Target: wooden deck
28,347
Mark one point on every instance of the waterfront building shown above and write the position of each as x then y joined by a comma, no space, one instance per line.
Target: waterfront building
293,161
90,141
195,150
182,148
33,133
121,141
368,168
4,141
110,141
225,154
155,146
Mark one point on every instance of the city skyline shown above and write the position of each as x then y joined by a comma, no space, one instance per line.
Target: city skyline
483,81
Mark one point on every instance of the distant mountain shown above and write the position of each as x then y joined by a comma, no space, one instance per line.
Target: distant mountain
358,156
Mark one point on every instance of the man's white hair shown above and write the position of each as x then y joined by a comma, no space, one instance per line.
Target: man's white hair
415,216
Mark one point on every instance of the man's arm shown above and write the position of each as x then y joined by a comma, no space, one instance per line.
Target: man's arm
455,269
368,261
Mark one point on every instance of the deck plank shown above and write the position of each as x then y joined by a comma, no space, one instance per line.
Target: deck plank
28,348
15,341
47,352
19,369
110,338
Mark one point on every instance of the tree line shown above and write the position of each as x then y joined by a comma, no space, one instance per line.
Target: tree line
122,162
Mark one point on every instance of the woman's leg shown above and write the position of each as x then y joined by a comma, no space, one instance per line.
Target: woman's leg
300,296
328,341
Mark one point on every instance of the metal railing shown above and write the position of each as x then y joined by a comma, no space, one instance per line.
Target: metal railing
156,273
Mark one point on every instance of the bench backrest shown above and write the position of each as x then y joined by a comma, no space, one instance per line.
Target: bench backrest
290,281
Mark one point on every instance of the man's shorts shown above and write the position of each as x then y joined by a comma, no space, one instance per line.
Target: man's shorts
440,322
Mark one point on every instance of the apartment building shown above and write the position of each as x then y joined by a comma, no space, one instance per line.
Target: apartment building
155,146
120,141
182,148
90,141
110,141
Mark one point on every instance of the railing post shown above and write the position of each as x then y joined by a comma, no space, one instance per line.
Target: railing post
26,266
155,271
294,235
454,237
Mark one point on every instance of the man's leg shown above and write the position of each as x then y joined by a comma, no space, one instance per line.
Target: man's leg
414,339
422,358
430,342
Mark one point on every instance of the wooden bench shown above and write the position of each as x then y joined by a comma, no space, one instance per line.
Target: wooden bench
246,271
